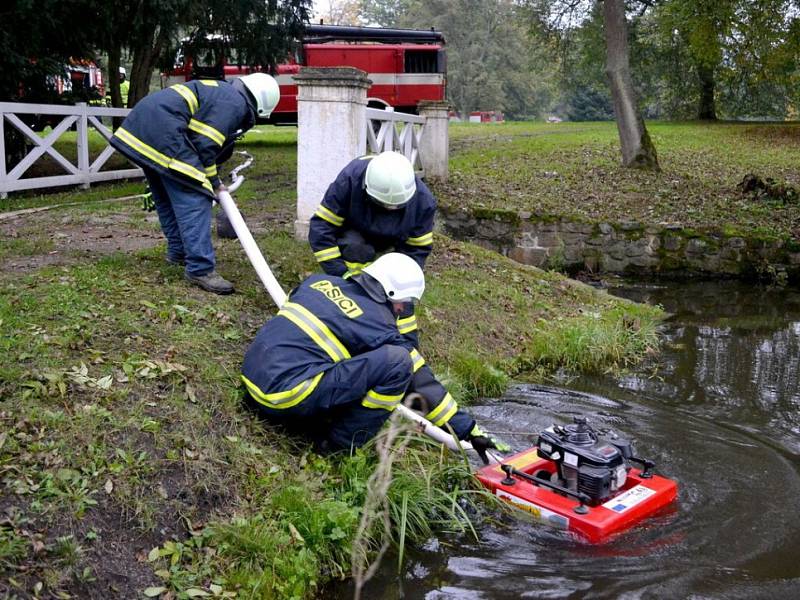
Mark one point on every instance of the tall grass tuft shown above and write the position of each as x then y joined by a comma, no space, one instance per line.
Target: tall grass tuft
477,377
593,342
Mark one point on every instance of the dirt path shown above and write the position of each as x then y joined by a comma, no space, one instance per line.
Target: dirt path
63,236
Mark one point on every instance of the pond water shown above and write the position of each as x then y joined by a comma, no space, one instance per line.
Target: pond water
719,413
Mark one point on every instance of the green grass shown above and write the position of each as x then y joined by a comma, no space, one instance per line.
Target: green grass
122,425
573,170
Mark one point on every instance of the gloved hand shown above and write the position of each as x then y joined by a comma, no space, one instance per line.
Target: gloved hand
148,203
481,442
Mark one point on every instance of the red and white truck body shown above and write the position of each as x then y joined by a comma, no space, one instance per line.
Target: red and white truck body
405,66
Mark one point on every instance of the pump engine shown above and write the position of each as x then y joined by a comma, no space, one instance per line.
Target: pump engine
585,463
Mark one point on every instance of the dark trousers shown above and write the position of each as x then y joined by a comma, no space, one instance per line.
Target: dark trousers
336,402
185,217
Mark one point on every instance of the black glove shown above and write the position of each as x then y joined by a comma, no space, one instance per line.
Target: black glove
482,442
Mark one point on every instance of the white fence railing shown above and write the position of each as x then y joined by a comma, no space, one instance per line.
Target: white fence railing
86,172
389,130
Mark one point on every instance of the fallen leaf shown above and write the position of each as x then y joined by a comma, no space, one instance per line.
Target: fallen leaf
152,592
109,486
153,555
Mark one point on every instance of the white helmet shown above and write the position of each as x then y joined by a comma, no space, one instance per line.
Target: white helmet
390,179
399,275
265,90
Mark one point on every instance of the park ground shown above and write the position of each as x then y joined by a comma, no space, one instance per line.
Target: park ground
128,465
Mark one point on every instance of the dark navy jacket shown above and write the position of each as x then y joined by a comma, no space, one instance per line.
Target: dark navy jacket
184,130
346,206
328,319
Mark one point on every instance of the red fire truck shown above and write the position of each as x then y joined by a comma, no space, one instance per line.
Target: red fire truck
405,65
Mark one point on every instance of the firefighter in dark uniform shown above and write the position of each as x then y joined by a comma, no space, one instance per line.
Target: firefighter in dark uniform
178,136
375,203
334,354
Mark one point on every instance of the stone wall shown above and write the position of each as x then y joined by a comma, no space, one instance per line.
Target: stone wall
631,248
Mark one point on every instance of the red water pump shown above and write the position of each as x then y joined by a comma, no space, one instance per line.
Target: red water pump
575,480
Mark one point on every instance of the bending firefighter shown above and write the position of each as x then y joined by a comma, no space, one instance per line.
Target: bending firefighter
178,136
334,355
375,203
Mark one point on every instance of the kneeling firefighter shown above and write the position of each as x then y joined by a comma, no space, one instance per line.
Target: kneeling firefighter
334,353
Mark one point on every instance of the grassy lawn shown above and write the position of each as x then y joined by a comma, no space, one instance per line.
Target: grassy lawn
128,464
573,169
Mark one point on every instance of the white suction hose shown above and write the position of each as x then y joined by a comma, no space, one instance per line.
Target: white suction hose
279,297
246,238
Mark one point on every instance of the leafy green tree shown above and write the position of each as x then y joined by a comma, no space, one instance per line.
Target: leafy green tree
37,40
384,13
492,64
261,32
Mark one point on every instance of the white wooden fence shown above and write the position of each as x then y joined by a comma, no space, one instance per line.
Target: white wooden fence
388,130
86,172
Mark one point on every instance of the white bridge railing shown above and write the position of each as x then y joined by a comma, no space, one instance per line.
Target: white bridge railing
86,172
389,130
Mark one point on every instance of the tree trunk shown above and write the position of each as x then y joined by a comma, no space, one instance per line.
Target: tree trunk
145,57
708,107
637,148
114,54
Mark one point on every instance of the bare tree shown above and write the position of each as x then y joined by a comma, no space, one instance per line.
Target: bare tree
637,148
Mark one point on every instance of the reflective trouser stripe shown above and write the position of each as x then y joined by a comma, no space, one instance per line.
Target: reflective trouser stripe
407,325
443,412
423,240
330,216
215,135
162,159
328,254
287,398
188,95
211,171
375,399
315,329
417,359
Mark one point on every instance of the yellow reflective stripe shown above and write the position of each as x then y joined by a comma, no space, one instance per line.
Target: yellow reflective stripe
285,399
315,329
190,171
207,130
328,254
162,159
354,268
407,325
375,399
211,171
443,412
210,82
188,95
330,216
423,240
417,359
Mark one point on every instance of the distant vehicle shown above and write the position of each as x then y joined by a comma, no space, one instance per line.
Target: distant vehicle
486,116
406,66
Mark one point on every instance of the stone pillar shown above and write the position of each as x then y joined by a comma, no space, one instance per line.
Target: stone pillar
331,131
434,150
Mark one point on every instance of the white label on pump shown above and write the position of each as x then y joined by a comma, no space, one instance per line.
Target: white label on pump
538,512
571,459
629,499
